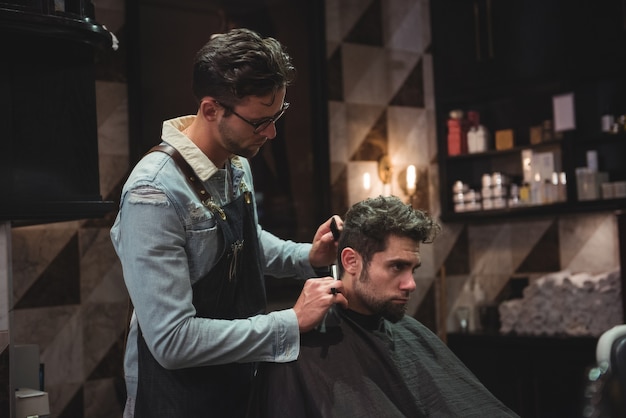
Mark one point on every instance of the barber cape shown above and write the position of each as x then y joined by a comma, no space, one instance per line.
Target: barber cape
365,366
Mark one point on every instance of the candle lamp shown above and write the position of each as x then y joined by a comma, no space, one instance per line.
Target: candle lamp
411,182
367,181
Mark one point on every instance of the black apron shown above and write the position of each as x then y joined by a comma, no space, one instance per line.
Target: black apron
233,289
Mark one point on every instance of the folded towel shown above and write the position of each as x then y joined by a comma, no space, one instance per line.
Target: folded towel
563,303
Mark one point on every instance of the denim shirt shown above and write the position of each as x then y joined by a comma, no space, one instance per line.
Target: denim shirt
166,241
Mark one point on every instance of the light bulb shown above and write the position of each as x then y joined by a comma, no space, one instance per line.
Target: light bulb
410,179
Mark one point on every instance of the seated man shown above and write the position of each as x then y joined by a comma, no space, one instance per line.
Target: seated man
372,360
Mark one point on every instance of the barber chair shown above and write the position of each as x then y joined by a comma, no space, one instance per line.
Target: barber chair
605,391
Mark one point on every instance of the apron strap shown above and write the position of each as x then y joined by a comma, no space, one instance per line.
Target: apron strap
192,178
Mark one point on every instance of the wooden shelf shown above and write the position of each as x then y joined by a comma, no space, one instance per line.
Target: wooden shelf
536,211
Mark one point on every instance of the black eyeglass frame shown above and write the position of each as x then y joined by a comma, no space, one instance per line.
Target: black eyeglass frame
261,125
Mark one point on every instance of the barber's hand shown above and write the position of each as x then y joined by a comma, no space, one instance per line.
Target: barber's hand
324,250
316,299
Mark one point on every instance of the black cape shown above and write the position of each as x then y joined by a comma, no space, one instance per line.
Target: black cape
363,366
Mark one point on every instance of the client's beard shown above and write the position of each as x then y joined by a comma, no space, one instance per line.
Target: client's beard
392,312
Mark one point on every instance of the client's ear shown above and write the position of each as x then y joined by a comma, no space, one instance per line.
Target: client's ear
351,260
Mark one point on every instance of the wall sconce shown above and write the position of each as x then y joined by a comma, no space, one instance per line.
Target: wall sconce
385,172
362,180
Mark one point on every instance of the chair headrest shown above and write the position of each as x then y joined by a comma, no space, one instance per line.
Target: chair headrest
605,344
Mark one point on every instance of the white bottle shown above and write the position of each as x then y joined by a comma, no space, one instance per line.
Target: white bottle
479,301
477,138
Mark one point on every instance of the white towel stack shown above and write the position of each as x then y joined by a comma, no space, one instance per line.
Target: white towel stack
563,303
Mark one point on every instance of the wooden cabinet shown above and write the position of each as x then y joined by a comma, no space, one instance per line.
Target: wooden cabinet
49,159
537,377
507,61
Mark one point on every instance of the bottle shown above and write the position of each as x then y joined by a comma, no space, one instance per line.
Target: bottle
457,133
549,192
547,131
536,191
607,122
479,302
477,134
562,188
524,194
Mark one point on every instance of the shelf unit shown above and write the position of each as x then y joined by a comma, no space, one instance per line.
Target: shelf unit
536,377
485,59
570,153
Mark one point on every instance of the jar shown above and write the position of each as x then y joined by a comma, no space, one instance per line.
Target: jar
486,181
459,187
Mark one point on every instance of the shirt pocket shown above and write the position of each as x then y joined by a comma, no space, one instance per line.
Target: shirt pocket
204,247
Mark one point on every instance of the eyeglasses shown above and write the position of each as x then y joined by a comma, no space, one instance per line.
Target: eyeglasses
261,125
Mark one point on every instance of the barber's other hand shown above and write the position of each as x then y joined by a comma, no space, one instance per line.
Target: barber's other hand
324,250
316,299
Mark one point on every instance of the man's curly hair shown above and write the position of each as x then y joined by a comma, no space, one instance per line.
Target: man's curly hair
368,224
240,63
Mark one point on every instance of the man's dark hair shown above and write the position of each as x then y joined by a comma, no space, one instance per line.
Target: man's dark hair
240,63
368,224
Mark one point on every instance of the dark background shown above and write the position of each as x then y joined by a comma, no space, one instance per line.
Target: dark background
291,172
